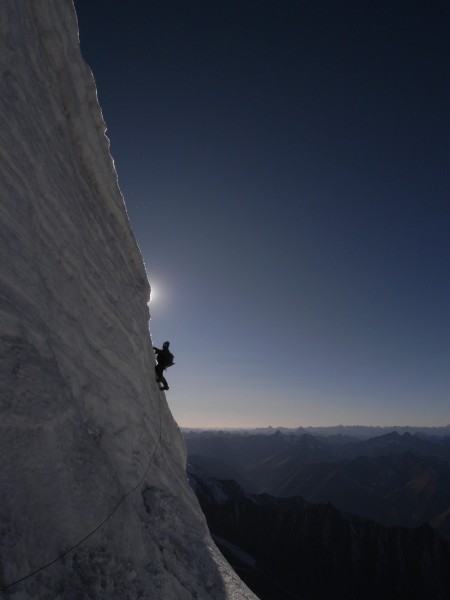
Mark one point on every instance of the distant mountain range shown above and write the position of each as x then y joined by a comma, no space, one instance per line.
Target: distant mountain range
395,479
288,549
352,431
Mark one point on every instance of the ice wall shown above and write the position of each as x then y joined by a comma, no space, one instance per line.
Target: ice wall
89,451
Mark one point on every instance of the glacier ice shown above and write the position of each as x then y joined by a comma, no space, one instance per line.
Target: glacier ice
85,435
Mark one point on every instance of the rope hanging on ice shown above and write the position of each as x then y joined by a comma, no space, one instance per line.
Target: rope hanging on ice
3,588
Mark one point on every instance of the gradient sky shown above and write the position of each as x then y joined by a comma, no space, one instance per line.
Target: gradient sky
285,166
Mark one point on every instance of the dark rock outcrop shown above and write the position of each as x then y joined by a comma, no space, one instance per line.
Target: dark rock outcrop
308,552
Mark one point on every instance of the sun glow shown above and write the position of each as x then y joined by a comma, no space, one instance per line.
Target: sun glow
153,294
156,292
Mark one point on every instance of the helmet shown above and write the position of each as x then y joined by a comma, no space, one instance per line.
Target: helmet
166,344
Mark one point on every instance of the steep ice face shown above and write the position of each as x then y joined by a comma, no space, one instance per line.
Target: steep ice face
87,442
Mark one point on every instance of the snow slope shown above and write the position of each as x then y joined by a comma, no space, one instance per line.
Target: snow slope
87,442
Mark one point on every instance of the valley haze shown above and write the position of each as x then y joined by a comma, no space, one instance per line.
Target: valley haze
367,505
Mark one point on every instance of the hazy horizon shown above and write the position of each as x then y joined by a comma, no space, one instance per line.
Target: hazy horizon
296,427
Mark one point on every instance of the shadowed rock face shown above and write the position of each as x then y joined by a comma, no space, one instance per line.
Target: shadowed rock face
306,551
87,442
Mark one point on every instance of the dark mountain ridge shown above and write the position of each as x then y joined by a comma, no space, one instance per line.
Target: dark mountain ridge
402,489
305,552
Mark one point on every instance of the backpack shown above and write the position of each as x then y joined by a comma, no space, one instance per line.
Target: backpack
168,360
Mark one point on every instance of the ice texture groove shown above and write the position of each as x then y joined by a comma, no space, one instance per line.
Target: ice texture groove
81,414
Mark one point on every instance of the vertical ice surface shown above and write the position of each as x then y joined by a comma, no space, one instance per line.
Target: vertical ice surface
82,419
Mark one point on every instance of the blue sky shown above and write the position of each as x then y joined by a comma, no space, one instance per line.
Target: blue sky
285,167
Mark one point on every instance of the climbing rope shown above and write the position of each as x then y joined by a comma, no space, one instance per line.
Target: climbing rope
3,588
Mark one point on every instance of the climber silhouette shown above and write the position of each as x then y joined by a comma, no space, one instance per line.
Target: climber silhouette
164,359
